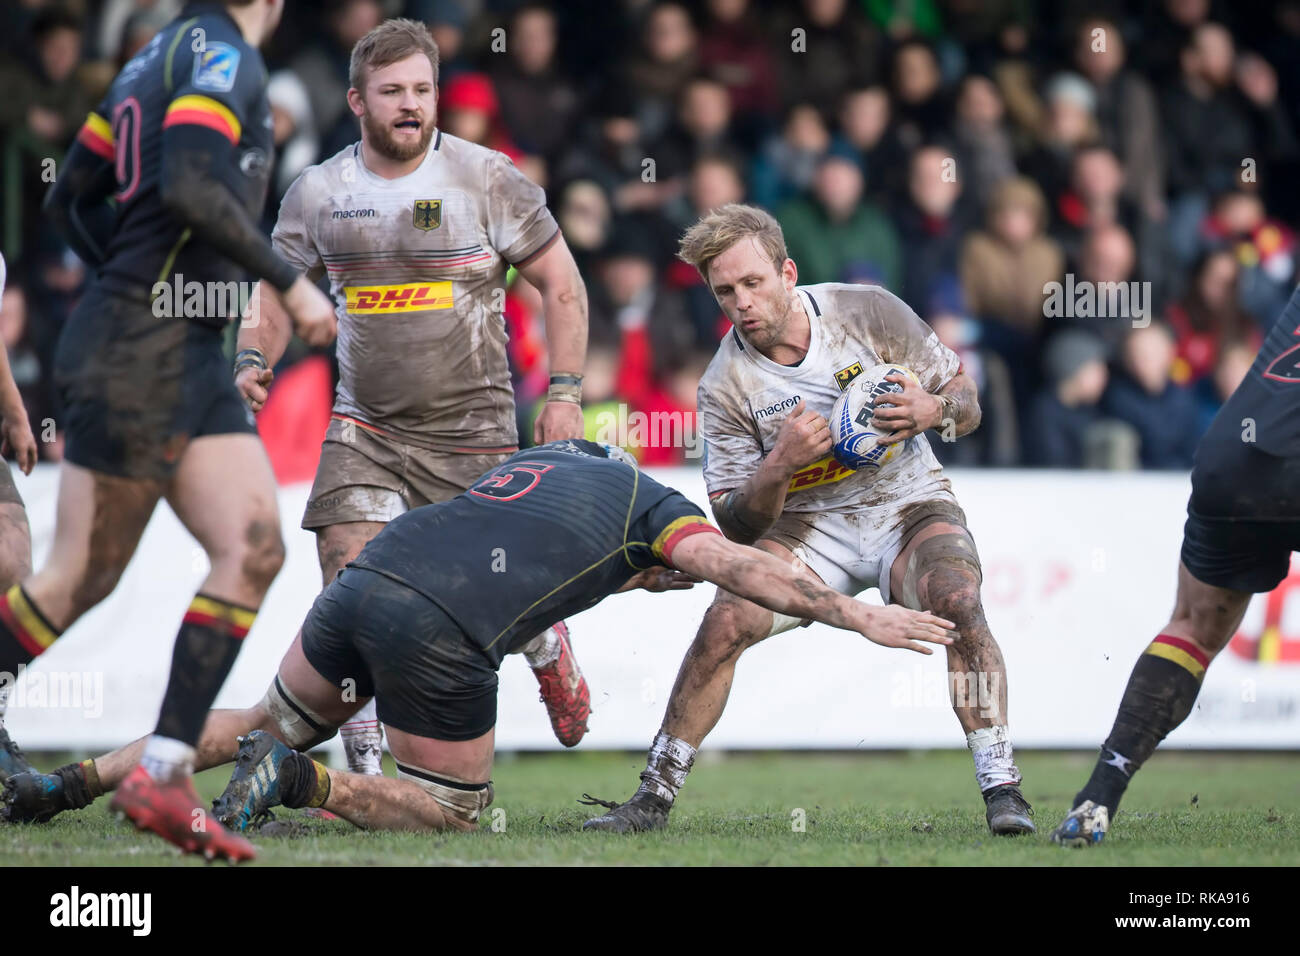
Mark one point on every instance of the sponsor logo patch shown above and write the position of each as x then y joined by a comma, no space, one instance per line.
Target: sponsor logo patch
846,375
215,68
427,214
411,297
818,473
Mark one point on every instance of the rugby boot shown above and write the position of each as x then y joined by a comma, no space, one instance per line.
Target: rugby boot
12,760
565,692
172,810
1085,825
254,787
645,811
1007,811
39,797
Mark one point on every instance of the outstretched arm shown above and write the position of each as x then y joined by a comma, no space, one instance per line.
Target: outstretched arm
763,579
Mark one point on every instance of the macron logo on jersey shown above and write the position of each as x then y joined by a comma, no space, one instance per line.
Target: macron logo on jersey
353,214
776,407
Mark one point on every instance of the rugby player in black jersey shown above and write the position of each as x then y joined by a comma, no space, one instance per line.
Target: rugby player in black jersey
1243,522
420,620
163,188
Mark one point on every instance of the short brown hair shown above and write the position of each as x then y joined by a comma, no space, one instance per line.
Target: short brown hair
387,43
722,228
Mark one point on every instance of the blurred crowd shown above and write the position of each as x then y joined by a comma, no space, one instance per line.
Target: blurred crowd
963,153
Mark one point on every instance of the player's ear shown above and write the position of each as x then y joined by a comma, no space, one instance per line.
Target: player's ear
789,273
356,102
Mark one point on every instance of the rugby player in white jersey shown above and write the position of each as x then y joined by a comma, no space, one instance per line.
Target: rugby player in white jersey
416,229
15,536
763,405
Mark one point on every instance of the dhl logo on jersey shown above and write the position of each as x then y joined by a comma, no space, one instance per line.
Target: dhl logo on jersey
818,473
411,297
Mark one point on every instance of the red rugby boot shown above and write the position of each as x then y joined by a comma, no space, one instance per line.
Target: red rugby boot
565,691
172,810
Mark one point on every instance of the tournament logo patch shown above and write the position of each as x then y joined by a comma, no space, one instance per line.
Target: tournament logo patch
846,375
427,214
215,67
1286,367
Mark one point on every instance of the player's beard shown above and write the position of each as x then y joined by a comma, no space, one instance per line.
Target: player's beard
381,140
769,334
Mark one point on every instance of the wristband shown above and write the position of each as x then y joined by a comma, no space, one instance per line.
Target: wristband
250,358
565,388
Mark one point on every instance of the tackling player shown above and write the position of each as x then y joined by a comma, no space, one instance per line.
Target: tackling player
421,621
1243,522
763,404
15,535
181,144
415,229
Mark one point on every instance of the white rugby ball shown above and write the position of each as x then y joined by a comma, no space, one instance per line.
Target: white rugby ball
856,443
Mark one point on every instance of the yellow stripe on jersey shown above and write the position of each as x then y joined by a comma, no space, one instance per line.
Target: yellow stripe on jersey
664,543
203,111
411,297
818,473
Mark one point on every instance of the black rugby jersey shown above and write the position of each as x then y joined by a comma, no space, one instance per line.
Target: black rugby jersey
550,532
197,73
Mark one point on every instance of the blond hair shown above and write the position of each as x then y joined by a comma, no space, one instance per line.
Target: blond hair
722,228
387,43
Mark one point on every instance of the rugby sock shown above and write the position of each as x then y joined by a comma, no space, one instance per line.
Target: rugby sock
994,760
666,767
206,647
166,758
80,784
543,649
1159,696
363,741
303,782
25,633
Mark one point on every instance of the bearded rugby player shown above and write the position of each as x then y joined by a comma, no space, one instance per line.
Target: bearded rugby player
15,535
1243,522
763,405
415,229
421,621
182,143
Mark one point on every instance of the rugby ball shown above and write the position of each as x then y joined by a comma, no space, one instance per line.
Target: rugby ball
856,444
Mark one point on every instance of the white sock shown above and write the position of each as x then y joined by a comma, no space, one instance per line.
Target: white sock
363,741
994,761
542,649
166,758
666,766
4,701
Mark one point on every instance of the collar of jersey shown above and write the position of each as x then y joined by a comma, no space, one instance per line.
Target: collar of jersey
814,344
380,180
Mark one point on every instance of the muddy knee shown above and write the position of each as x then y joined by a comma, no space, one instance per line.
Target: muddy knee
728,628
262,553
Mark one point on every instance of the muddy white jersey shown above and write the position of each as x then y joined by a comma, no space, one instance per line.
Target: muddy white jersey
744,397
417,268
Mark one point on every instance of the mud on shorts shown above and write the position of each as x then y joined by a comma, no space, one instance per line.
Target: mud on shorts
854,551
394,644
368,475
135,389
1242,522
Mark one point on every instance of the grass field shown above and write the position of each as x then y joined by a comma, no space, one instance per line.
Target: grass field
861,809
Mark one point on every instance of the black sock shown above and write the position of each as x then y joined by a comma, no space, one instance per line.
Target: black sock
1159,696
24,631
206,647
303,782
